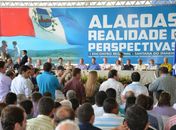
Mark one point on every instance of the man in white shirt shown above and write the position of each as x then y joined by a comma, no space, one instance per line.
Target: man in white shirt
136,87
5,82
22,84
112,82
105,65
140,66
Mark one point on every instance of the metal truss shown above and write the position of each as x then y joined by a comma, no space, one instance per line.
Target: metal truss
82,3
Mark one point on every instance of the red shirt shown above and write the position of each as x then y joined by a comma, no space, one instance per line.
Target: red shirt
76,85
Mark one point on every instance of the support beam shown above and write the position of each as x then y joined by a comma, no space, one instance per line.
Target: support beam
82,3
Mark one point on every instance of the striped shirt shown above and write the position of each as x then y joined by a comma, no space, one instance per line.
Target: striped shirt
41,122
108,121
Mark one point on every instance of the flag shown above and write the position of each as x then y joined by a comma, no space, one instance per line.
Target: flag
15,22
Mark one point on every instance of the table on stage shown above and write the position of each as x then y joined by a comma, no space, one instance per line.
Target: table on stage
146,76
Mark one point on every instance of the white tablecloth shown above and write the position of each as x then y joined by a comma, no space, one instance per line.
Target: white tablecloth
146,76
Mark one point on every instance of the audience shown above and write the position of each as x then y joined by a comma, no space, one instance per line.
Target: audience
70,94
112,101
67,125
17,64
136,87
164,105
38,64
9,63
76,85
36,96
46,81
60,61
86,117
2,106
13,118
5,82
66,103
29,62
22,84
165,82
171,122
11,74
111,93
147,103
130,101
64,113
136,118
69,66
75,104
49,60
28,107
112,82
11,99
94,65
110,118
43,121
61,74
98,106
20,98
92,86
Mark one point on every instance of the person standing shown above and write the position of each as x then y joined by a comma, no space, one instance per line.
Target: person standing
22,84
46,81
76,85
166,83
5,82
4,53
16,50
112,82
24,58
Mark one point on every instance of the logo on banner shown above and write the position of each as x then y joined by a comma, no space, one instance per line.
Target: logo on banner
43,18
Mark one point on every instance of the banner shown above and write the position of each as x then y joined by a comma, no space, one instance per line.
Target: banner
72,33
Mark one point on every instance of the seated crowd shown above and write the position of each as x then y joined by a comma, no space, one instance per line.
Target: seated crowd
31,99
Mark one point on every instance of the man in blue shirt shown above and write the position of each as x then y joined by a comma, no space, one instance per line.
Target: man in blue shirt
94,65
46,81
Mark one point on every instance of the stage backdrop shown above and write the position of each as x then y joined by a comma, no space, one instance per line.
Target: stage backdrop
138,32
